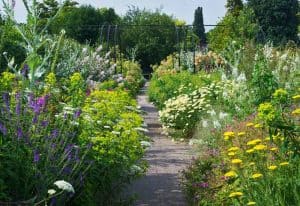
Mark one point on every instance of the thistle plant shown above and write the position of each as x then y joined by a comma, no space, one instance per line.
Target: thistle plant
35,39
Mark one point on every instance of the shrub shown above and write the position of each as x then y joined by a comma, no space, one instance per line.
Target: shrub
111,122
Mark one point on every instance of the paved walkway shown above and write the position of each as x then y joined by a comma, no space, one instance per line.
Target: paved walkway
160,186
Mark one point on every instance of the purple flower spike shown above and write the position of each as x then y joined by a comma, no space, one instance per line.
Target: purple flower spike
54,133
18,106
19,133
25,70
3,129
36,156
77,113
44,123
5,97
35,119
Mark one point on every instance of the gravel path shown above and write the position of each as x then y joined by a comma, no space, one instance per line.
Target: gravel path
160,186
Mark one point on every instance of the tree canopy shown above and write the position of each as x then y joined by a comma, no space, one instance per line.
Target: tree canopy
198,24
152,34
277,20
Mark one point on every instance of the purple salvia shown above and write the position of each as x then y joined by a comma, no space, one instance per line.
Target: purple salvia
3,129
77,113
19,133
67,170
25,70
36,156
54,133
44,123
18,106
5,97
35,119
53,201
76,155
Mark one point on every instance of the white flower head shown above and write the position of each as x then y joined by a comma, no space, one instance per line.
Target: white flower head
222,115
217,124
204,123
51,192
65,186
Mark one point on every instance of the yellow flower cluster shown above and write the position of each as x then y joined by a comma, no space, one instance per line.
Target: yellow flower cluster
228,135
235,194
296,111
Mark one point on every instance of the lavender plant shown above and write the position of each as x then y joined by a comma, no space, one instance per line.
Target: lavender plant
37,149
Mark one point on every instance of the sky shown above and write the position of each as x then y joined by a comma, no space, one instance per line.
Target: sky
213,10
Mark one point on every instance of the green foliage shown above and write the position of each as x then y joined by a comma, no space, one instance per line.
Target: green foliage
11,42
263,82
183,112
233,28
164,85
153,43
133,76
76,22
111,122
234,6
199,25
277,20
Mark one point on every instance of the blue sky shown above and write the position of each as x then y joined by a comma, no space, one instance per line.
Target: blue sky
213,10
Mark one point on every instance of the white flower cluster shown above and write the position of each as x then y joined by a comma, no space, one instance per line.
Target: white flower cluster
98,68
63,185
185,110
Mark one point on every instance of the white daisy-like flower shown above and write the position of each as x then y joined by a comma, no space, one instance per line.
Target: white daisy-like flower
65,186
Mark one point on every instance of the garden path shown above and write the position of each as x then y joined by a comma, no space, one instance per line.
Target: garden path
161,184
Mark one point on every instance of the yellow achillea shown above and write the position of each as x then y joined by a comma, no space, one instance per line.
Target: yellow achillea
274,149
253,142
228,135
272,167
233,149
260,147
251,203
256,175
230,174
231,153
296,97
267,139
284,164
250,124
235,194
250,151
258,126
236,161
296,111
241,133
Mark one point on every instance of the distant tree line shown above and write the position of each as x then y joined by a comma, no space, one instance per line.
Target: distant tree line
261,21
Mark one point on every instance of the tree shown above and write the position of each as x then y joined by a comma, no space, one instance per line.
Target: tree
234,6
199,25
48,8
152,34
277,20
83,23
231,28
